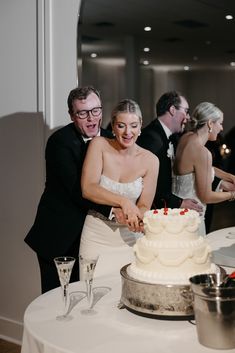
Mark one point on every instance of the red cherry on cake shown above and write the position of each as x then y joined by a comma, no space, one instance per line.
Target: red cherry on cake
186,210
182,212
155,211
232,275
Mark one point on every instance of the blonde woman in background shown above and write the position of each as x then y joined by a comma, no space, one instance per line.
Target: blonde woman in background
193,171
119,173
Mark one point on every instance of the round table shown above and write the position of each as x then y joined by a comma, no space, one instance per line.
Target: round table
222,242
110,330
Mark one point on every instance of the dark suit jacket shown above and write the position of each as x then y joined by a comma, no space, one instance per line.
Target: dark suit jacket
154,139
62,210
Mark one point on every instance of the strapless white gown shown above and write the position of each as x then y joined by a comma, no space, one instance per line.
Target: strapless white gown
184,187
111,241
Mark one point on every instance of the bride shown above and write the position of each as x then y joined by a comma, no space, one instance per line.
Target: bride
193,172
119,173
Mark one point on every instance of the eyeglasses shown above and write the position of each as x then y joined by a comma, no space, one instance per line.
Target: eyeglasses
187,110
83,114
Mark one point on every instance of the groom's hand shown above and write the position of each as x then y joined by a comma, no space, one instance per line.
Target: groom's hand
121,219
119,215
192,204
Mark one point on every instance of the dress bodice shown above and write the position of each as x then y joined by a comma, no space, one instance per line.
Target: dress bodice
132,190
184,187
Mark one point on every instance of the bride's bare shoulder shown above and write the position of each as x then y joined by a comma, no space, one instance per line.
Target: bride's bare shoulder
100,141
188,137
146,154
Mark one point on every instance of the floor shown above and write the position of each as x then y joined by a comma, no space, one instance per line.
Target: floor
7,347
223,216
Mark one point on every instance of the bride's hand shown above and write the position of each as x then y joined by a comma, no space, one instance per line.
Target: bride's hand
227,186
232,179
132,215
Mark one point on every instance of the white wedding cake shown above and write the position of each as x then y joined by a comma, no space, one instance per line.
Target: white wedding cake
171,250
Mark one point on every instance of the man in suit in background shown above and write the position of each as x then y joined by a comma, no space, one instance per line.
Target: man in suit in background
62,210
172,114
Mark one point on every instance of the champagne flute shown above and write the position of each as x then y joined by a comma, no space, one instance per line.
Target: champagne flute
87,269
64,265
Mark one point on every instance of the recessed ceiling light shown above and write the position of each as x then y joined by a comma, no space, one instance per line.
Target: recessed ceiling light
186,68
147,28
146,49
93,55
232,63
229,17
145,62
195,58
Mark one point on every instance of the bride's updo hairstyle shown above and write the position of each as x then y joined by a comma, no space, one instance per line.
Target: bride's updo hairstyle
203,113
126,106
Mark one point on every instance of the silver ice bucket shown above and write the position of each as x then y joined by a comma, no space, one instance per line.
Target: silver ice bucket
214,309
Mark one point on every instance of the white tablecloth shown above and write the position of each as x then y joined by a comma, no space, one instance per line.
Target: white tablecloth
222,243
110,330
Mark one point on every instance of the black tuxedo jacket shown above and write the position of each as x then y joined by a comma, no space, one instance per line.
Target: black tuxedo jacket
62,210
154,139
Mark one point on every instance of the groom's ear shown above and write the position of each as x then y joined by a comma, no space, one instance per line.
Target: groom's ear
172,110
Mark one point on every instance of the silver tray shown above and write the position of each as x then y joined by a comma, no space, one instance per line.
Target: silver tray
156,299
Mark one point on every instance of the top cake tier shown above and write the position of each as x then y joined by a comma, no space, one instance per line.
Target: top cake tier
173,224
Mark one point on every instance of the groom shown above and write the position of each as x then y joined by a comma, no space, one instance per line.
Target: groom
62,210
172,113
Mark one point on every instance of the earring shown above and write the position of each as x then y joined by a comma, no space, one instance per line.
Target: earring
210,130
113,133
139,133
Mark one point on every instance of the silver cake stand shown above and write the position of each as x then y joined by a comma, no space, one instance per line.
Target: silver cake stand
156,299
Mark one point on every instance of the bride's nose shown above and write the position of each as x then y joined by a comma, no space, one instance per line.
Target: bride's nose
127,130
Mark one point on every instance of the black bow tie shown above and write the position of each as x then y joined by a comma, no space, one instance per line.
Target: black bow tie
174,139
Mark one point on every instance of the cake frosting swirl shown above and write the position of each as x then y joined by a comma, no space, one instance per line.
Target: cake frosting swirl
171,250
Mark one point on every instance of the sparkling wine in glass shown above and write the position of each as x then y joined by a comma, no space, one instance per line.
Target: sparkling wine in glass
64,265
87,269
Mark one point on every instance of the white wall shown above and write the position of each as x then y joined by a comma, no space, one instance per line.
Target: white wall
38,69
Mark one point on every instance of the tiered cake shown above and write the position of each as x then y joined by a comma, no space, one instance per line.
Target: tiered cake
171,250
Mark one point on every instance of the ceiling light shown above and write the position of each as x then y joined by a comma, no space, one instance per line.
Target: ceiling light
186,68
145,62
229,17
147,28
146,49
195,58
93,55
232,63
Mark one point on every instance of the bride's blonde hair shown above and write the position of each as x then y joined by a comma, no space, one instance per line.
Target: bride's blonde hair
203,112
126,106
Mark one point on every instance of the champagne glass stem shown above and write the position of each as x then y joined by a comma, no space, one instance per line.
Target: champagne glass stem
65,298
89,283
